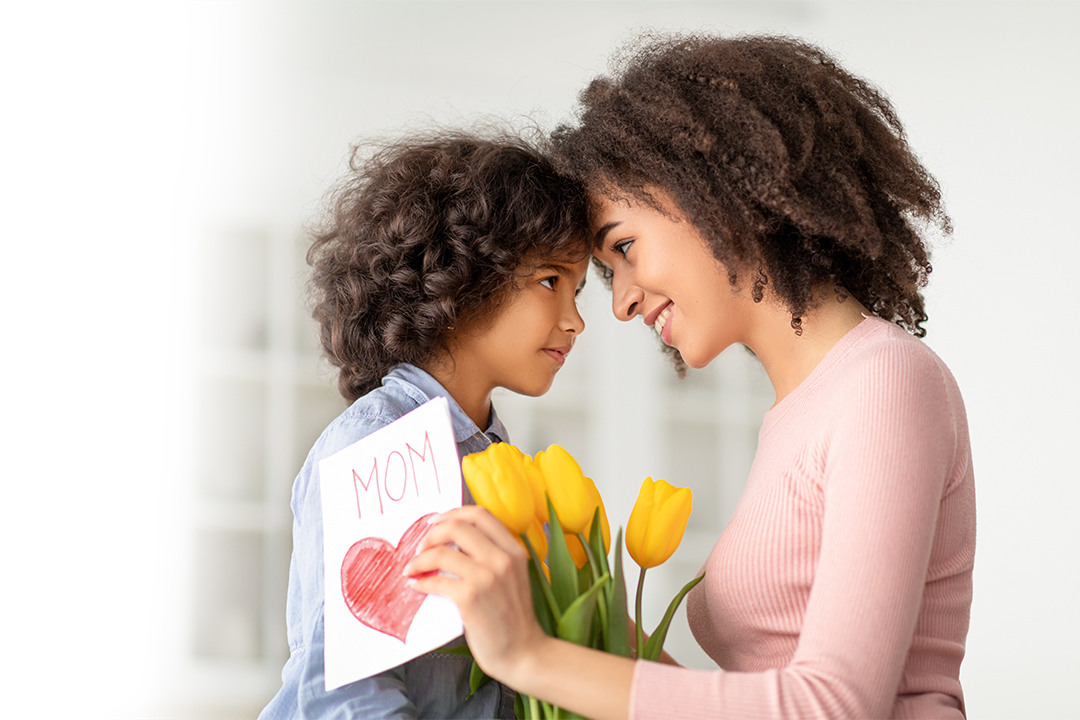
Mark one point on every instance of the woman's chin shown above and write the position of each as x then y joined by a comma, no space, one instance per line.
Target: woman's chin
695,358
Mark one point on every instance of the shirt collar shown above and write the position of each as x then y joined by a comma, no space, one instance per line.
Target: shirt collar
421,387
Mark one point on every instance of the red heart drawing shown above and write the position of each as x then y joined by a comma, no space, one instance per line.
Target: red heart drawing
373,584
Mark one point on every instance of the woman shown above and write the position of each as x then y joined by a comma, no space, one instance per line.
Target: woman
751,191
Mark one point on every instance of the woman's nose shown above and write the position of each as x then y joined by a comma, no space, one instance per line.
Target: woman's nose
626,299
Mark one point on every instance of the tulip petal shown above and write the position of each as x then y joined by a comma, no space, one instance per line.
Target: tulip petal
566,488
657,522
497,481
637,526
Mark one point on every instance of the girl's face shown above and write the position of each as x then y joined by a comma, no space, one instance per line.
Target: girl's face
663,270
528,339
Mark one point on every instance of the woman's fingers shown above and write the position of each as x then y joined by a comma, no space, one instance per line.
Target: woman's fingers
470,558
472,529
442,559
457,546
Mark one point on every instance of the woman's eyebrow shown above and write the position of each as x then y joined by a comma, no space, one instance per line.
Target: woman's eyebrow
605,229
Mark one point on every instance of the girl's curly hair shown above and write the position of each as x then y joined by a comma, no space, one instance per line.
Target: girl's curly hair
427,235
795,172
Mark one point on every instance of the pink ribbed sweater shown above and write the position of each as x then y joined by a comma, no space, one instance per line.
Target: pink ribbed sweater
842,585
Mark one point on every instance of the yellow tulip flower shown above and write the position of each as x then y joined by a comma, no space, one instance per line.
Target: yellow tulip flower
538,538
539,488
657,522
567,489
498,479
605,527
577,552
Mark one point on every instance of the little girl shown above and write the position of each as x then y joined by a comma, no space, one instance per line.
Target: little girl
447,267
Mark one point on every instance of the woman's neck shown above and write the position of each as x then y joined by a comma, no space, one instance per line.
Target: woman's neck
789,358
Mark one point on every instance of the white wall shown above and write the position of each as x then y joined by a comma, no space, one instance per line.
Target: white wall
131,128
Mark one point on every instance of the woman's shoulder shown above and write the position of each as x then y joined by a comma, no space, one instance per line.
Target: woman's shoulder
891,354
893,372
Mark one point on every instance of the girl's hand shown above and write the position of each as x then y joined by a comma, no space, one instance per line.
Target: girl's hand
490,586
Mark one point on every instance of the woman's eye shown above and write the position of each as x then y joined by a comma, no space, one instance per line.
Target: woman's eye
549,282
622,246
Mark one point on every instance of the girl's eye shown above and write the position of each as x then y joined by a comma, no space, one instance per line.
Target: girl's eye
622,246
549,282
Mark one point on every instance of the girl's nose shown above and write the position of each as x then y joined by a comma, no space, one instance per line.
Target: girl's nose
572,321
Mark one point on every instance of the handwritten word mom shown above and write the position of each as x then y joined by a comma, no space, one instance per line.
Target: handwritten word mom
397,467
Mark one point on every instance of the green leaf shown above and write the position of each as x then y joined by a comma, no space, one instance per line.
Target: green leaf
519,707
655,645
598,562
597,639
542,583
477,678
576,623
540,602
617,638
584,579
564,577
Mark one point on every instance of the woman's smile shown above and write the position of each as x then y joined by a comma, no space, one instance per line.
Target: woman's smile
663,269
659,318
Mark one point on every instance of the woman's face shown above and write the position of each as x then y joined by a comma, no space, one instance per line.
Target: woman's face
663,271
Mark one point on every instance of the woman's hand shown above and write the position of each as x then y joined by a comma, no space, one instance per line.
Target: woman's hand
491,590
490,586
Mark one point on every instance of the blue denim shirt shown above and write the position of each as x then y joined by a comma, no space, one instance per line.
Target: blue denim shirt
434,685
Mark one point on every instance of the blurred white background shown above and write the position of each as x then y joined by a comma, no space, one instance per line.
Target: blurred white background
160,384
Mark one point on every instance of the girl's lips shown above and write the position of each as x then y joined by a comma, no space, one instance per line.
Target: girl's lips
557,354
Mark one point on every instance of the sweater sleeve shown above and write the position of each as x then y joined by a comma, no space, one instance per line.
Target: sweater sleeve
891,448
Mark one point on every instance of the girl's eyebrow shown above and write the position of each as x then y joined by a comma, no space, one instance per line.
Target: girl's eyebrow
563,270
556,267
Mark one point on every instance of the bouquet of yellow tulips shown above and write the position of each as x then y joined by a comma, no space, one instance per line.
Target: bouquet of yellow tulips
577,594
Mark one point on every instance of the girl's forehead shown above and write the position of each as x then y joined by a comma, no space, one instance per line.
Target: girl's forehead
564,265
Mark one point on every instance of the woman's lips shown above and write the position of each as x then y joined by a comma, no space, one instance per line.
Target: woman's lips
650,318
662,324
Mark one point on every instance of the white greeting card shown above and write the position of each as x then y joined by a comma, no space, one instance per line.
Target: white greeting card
376,497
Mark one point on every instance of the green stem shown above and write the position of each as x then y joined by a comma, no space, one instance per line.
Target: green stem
601,607
534,708
593,565
637,614
544,585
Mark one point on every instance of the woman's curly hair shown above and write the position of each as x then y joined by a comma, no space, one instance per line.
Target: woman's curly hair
427,235
795,172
